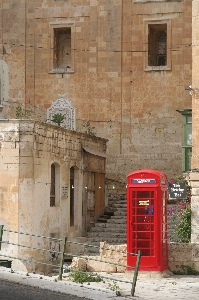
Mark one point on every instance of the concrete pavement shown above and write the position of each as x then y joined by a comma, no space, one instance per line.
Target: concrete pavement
148,287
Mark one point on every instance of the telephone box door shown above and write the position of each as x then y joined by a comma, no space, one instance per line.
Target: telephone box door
142,223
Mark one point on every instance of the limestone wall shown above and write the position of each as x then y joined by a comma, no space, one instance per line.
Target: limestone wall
108,83
181,257
27,151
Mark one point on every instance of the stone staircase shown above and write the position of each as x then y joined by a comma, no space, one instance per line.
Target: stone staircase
110,227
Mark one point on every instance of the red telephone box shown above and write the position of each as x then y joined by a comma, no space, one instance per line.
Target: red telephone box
147,195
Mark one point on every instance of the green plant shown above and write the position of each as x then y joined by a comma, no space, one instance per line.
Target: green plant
58,118
185,270
81,277
21,113
181,214
114,287
88,129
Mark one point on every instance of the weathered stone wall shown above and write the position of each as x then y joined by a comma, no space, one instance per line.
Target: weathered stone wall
27,151
134,108
180,258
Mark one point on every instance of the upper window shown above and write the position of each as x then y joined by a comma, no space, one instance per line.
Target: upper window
62,48
62,43
157,38
157,49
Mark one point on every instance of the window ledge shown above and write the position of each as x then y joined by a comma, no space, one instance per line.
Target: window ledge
157,68
61,71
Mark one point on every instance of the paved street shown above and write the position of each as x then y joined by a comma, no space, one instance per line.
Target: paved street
148,287
14,291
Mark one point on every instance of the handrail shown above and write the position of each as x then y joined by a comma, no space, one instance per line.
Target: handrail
62,253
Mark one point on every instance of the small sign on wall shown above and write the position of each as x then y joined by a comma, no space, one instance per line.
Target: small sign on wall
64,193
177,190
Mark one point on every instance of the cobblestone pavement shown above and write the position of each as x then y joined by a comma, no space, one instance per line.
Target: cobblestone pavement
148,287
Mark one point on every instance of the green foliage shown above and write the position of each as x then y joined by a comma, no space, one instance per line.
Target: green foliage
183,228
21,113
88,129
181,214
114,287
81,277
58,118
185,270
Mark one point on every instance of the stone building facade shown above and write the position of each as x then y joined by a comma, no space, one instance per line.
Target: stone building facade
128,67
124,65
52,182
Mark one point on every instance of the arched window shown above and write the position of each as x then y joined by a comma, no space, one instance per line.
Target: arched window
54,184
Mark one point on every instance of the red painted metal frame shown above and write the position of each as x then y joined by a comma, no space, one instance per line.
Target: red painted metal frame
147,197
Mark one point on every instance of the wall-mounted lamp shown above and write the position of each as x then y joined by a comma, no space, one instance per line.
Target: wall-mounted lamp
100,186
113,186
86,187
72,186
190,89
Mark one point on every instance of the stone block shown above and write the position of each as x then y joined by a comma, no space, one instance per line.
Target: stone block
180,252
79,264
98,266
194,176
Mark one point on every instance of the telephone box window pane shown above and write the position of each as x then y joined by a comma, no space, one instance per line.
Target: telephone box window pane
143,194
146,252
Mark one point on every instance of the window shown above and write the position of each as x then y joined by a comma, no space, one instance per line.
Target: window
187,139
54,185
157,37
157,41
72,186
62,48
62,43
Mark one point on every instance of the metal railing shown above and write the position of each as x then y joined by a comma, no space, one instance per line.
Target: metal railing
62,254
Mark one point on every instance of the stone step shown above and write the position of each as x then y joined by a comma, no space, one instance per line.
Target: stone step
108,230
111,240
119,205
107,234
117,219
106,217
109,226
101,220
120,213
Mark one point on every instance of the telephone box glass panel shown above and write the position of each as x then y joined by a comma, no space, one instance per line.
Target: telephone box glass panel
143,237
